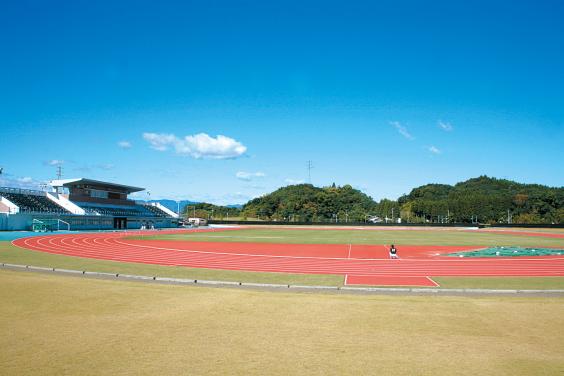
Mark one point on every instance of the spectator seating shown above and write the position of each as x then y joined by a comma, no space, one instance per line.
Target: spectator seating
31,201
115,211
156,211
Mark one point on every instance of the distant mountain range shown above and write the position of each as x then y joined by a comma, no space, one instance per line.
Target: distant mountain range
174,205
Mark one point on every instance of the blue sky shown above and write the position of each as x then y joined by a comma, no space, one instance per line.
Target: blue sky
384,96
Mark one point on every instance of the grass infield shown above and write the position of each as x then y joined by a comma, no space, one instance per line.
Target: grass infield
54,325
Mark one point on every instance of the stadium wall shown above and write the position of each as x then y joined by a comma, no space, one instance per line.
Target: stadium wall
24,221
15,222
3,221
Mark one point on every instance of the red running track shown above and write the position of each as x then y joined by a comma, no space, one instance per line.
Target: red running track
359,264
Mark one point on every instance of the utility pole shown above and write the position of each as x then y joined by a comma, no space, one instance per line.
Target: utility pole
309,167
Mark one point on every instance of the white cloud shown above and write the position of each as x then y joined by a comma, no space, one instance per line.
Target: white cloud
248,176
434,150
125,144
54,162
25,182
197,146
402,130
293,181
160,141
445,126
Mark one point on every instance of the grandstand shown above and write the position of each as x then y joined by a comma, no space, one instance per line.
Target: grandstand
84,204
31,201
156,210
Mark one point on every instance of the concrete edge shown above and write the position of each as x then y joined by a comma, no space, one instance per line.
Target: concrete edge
345,289
175,280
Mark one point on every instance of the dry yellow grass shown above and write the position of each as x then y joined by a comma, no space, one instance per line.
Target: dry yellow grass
66,325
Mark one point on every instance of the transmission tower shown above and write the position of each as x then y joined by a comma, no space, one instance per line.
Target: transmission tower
309,167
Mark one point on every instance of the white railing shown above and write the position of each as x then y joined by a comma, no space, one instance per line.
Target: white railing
12,208
66,203
164,209
22,191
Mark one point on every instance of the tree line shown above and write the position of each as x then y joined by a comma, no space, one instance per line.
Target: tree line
478,200
485,200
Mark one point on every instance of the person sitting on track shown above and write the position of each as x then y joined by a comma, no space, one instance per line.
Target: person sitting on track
393,252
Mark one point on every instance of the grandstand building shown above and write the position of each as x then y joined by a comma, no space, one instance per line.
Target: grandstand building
80,204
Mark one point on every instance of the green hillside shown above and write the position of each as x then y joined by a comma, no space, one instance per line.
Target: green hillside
304,202
482,199
488,199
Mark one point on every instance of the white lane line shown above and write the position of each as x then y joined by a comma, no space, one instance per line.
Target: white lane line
435,283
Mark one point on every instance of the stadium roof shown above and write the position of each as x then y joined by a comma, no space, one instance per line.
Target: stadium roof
71,182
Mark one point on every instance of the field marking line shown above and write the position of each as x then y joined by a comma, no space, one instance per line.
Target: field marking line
346,278
384,276
350,247
430,279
